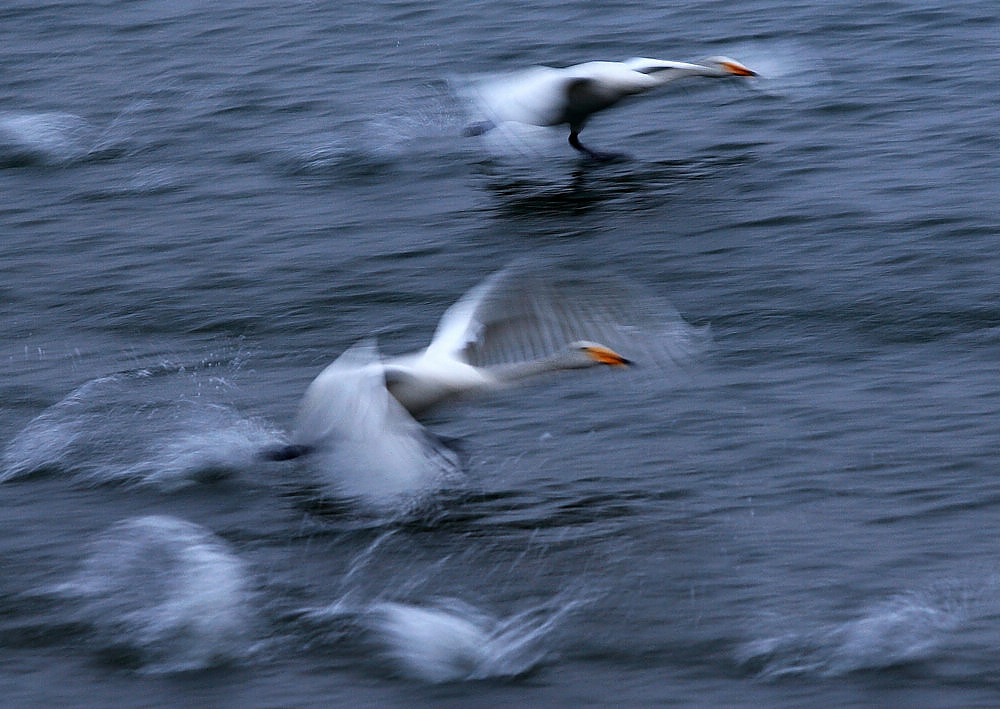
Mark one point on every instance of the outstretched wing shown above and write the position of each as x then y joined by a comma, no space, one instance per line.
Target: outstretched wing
526,313
537,96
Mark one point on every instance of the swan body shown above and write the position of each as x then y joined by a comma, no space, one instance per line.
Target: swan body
373,448
514,326
544,96
509,328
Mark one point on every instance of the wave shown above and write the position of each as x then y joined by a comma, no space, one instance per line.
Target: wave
164,595
905,629
55,138
156,426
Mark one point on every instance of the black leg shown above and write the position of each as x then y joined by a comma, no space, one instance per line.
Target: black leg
477,128
574,140
284,452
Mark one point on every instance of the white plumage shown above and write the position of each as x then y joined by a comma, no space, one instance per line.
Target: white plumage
544,96
370,447
518,324
357,414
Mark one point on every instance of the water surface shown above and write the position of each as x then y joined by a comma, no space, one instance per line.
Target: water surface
204,205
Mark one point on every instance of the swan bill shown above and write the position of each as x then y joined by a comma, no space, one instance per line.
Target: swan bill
737,69
606,355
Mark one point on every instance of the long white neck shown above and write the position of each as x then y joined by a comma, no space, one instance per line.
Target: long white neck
666,71
514,372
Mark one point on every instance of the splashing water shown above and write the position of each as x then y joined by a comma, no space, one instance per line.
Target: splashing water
166,594
905,629
452,641
142,427
59,139
45,138
438,640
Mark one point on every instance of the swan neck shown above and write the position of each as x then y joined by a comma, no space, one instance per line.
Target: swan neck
525,370
681,71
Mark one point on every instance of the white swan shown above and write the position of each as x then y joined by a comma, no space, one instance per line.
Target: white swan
375,451
516,325
511,327
544,96
507,329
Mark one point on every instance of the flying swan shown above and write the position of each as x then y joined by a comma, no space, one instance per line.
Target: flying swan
513,326
544,96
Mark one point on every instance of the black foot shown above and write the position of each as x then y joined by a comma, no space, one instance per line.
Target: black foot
284,452
574,140
477,129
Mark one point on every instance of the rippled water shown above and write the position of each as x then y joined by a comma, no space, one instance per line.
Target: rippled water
203,205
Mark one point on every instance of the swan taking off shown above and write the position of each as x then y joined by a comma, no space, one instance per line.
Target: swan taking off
544,96
513,326
516,325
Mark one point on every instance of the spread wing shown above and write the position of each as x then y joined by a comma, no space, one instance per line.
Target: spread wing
537,96
524,313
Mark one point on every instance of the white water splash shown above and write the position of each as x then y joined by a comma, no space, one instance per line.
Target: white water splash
48,138
452,641
439,640
146,426
166,593
905,629
59,139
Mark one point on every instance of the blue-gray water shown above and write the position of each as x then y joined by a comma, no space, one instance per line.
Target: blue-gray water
204,203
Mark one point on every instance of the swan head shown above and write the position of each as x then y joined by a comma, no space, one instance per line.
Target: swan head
724,66
590,354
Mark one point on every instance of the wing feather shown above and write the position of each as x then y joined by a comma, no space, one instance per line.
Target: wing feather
525,313
537,96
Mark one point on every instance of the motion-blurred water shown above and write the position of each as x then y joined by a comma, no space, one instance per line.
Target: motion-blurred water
204,204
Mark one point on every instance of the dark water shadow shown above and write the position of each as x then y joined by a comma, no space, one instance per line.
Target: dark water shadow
626,184
465,512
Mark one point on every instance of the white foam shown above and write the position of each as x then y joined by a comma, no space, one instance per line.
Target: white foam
167,592
452,641
50,137
138,427
907,628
